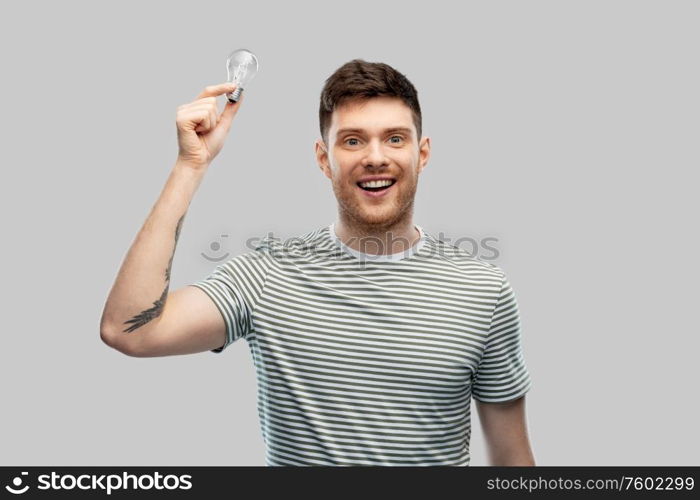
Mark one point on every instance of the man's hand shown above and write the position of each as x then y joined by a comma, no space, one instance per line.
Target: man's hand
200,132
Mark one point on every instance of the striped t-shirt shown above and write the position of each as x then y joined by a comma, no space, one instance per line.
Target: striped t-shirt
365,359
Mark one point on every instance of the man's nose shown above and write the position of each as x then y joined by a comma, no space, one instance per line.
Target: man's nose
375,155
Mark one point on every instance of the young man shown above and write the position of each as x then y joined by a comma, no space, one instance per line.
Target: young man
369,336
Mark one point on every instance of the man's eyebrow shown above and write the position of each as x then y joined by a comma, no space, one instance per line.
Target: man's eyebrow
405,130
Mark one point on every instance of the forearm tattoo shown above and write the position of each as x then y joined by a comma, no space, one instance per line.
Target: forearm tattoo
145,316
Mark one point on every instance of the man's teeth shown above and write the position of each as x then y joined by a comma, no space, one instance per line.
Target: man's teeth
376,184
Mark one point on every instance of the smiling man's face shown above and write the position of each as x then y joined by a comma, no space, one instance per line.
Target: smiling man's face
369,139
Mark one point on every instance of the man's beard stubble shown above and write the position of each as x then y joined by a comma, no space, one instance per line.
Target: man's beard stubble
370,220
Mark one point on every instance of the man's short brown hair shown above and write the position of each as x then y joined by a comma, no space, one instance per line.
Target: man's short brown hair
359,79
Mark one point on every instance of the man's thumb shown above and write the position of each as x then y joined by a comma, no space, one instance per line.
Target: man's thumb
228,113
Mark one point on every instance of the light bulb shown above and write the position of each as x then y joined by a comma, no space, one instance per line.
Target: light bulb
242,66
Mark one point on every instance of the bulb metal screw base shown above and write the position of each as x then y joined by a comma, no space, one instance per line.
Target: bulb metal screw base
235,95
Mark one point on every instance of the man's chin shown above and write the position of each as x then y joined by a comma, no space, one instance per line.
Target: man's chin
377,219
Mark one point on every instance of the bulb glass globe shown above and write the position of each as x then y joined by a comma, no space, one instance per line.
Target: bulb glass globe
242,66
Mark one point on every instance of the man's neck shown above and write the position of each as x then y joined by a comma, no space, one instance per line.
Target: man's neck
376,240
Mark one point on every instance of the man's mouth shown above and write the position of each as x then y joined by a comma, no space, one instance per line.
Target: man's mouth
376,186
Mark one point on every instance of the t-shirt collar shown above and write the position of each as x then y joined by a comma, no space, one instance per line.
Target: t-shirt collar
404,254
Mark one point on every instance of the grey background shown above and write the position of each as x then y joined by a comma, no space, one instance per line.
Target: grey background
567,130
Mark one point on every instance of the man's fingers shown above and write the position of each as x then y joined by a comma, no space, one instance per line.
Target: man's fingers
216,90
197,120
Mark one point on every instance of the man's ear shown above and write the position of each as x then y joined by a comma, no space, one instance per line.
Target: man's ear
423,153
322,158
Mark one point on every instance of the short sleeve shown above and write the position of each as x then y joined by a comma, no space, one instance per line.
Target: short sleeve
502,375
235,288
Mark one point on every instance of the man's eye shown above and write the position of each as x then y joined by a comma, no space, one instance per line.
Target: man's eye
392,137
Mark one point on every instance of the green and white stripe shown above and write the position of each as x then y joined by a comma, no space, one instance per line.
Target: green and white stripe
370,360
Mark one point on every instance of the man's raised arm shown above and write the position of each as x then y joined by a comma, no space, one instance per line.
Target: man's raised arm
134,310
